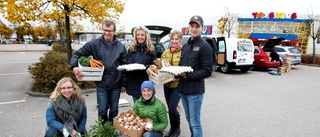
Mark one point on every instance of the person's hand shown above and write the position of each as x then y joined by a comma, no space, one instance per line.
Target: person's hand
175,79
123,89
183,74
77,72
74,133
148,71
126,134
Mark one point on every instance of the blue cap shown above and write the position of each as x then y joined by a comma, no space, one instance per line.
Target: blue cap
148,84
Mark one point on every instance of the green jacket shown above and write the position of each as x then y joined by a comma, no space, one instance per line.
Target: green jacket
173,58
155,110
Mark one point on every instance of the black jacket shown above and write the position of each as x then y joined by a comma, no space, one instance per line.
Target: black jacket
134,79
197,54
112,54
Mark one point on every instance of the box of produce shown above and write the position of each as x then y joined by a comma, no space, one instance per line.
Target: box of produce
130,123
91,68
158,77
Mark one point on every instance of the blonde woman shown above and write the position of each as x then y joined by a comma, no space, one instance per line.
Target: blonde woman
171,94
141,51
66,112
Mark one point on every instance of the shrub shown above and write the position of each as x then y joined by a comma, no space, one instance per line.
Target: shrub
101,130
51,68
58,47
307,58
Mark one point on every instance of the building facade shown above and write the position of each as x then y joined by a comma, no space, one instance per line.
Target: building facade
263,26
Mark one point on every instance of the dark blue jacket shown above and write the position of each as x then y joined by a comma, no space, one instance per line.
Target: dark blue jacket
198,54
135,78
112,54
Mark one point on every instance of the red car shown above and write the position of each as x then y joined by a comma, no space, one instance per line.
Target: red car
266,57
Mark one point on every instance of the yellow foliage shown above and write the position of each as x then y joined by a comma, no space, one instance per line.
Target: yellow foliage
32,10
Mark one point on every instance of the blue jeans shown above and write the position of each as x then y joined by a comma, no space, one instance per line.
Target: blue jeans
53,132
172,98
108,99
152,134
192,108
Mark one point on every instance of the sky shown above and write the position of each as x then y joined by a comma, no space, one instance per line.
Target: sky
176,13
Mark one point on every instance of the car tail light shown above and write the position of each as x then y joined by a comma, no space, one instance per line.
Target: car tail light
234,54
290,55
264,59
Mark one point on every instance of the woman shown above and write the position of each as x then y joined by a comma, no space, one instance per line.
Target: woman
171,94
148,106
66,112
141,51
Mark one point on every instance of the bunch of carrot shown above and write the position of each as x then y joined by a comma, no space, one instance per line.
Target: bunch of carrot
95,64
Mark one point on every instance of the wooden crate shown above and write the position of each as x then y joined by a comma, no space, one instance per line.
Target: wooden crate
160,78
91,74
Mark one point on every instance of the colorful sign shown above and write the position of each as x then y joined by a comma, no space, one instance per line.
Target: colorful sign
207,30
272,15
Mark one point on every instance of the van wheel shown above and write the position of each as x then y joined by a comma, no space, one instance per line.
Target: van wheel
244,69
225,68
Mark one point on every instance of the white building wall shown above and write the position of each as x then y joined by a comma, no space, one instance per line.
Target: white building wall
310,42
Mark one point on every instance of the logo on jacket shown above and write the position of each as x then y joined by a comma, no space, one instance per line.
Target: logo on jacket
196,48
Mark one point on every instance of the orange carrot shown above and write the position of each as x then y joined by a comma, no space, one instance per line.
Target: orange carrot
97,62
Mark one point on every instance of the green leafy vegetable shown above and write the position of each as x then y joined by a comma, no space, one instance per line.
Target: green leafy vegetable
84,61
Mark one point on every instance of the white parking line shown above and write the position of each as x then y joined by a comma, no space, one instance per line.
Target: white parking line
10,74
11,102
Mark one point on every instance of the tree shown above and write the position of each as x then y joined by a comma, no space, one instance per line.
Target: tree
230,20
314,32
5,31
32,10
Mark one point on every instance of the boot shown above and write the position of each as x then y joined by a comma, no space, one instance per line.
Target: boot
171,126
176,131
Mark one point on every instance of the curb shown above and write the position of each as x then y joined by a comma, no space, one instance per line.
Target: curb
46,95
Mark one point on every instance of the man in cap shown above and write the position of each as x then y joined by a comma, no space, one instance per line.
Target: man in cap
198,54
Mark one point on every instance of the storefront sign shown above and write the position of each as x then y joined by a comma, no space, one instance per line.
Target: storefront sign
272,15
207,30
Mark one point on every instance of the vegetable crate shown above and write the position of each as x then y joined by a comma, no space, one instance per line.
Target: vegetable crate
91,74
160,78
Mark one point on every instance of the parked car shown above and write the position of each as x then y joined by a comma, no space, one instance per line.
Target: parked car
262,58
157,32
289,52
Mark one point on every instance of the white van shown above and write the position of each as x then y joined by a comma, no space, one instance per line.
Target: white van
230,53
234,53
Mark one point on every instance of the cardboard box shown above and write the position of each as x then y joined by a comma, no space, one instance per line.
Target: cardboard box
91,74
287,61
281,69
130,132
160,78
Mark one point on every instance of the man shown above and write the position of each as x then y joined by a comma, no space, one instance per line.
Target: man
198,54
112,53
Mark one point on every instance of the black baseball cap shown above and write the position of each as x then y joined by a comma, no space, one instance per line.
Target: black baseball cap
198,19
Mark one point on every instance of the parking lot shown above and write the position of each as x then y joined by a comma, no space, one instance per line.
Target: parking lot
235,105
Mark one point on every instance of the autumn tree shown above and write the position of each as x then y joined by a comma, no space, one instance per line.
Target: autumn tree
24,29
231,20
5,31
32,10
314,32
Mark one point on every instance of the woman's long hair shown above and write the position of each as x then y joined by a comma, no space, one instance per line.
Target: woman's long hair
57,89
148,42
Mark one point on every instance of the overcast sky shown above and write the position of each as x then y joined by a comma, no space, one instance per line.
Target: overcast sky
176,13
